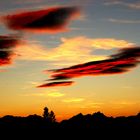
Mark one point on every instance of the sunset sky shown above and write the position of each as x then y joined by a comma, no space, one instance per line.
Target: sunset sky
89,30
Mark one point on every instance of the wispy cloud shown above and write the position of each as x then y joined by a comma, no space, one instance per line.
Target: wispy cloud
92,105
112,2
55,94
34,94
123,103
73,100
71,50
124,21
132,5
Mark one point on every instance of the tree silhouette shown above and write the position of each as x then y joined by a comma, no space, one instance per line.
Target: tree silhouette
46,113
49,116
52,116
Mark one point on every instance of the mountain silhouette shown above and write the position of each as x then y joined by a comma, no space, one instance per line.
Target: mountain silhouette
92,125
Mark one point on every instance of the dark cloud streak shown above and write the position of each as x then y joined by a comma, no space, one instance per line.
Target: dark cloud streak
116,64
7,44
55,84
49,20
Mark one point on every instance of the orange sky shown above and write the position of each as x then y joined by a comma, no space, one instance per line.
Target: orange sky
101,30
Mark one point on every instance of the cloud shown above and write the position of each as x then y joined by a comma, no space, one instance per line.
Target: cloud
55,84
91,104
116,64
123,103
7,45
123,21
112,2
126,103
72,100
50,20
71,51
98,43
134,5
55,94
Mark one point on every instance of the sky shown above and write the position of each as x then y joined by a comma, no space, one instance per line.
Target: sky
43,49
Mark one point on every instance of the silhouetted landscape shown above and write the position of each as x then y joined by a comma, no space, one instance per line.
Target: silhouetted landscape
96,121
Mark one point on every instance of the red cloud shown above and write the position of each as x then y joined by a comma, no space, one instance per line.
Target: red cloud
48,20
5,58
7,44
116,64
54,84
103,67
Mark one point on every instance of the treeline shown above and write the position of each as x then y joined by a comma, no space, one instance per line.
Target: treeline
96,121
